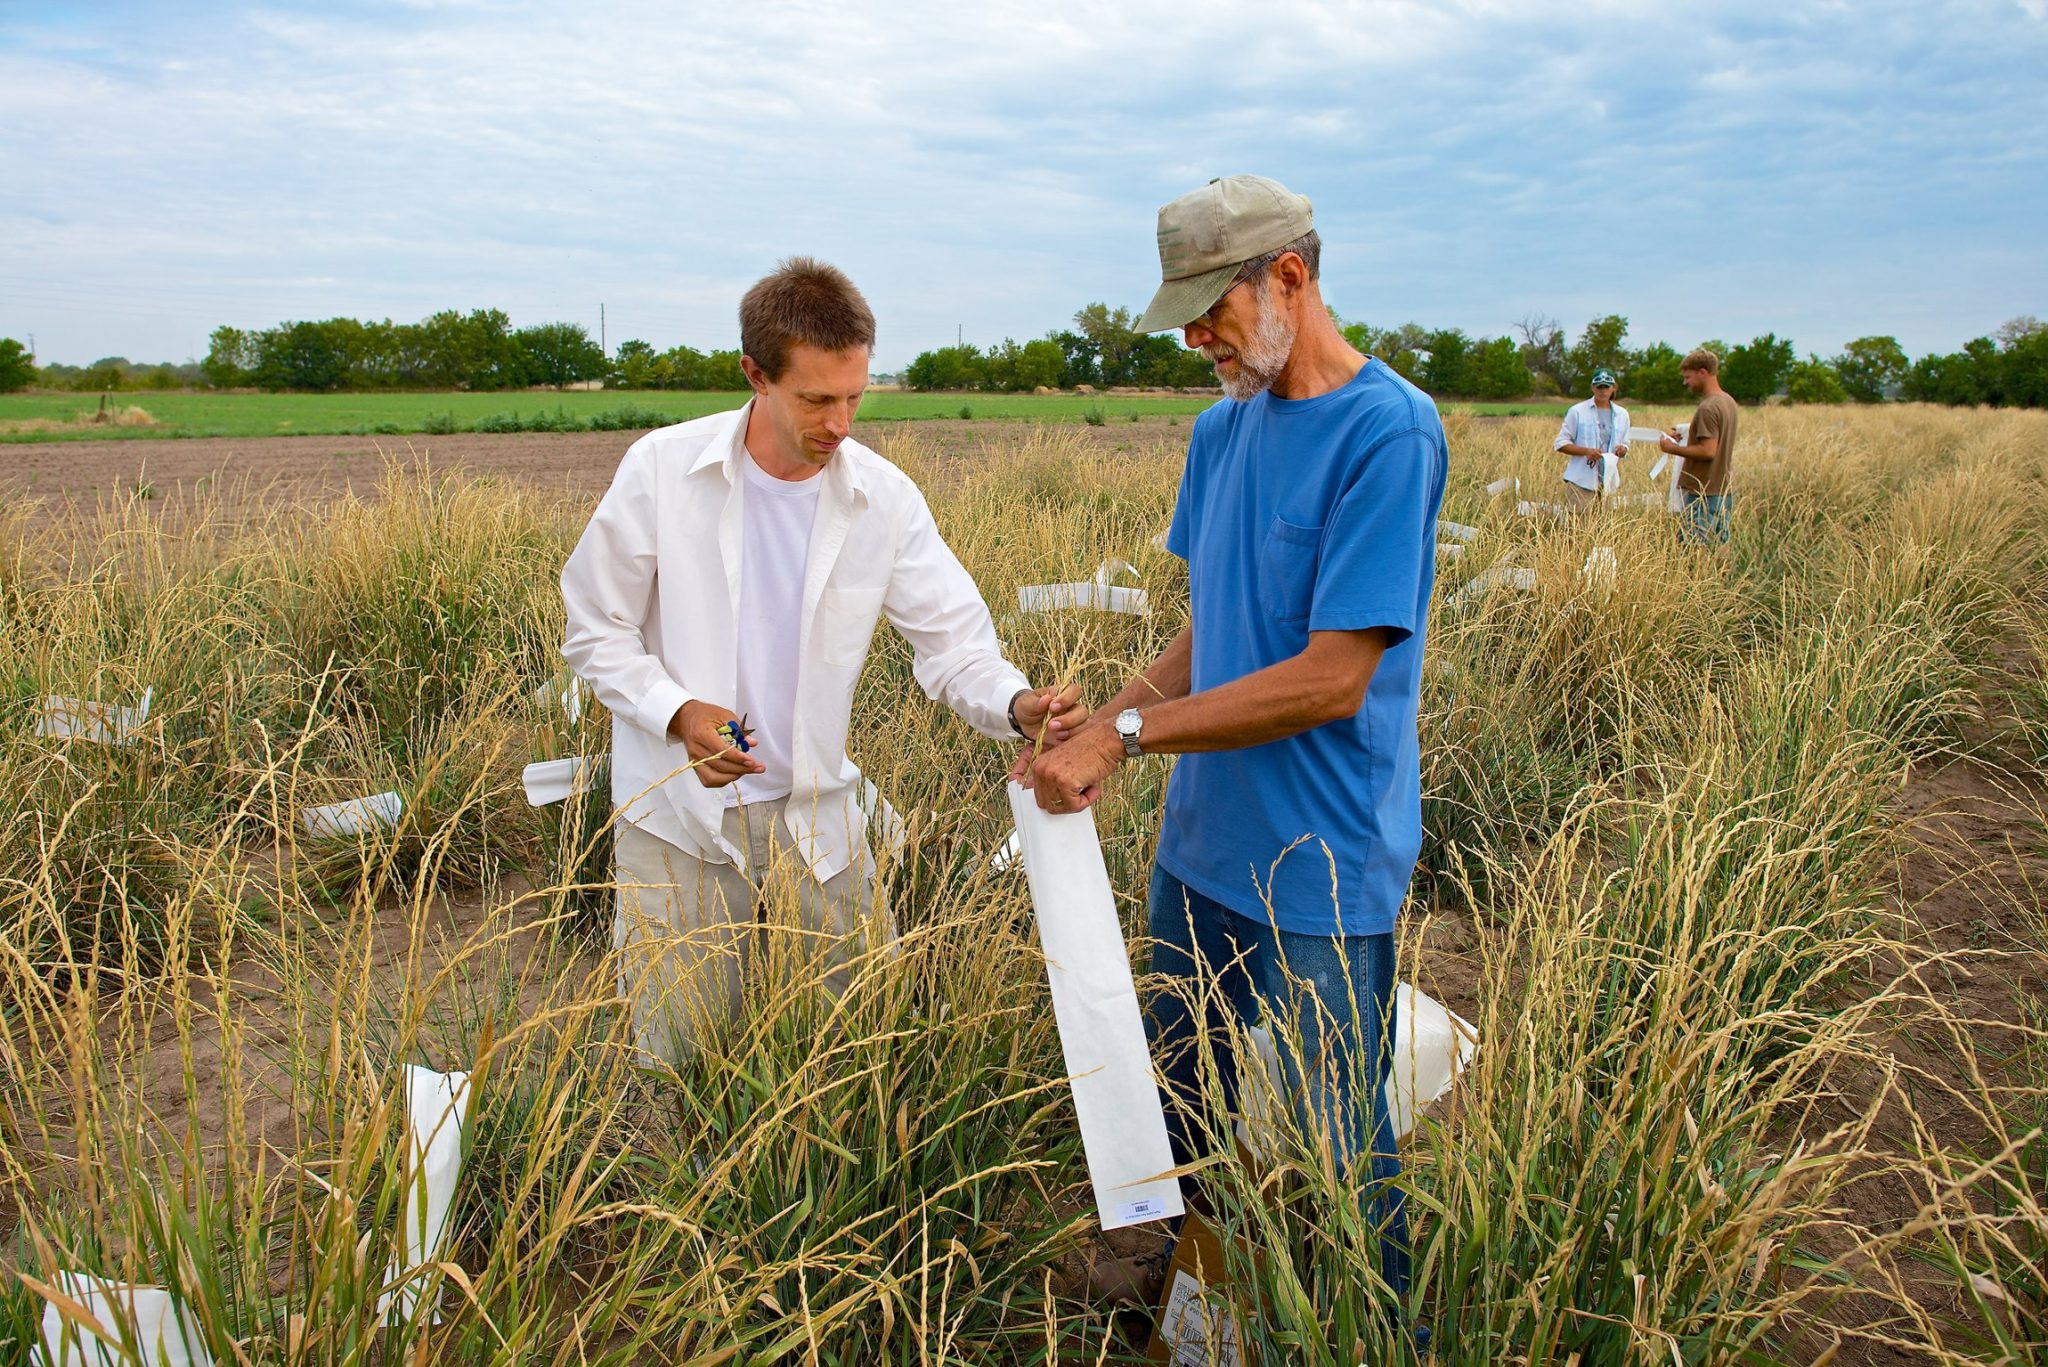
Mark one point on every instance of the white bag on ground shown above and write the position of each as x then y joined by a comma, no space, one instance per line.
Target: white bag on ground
1521,578
101,723
1432,1045
435,1104
1102,1032
339,820
162,1330
1099,593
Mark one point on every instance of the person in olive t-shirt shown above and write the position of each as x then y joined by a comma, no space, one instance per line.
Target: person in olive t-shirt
1709,453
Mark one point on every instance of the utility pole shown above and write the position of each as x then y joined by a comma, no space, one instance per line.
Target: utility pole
602,345
959,334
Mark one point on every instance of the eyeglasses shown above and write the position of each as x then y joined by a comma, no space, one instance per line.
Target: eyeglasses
1207,318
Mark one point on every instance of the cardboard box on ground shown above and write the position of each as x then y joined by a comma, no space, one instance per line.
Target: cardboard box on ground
1199,1325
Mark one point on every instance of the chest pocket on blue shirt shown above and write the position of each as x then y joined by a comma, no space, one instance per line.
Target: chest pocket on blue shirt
1287,570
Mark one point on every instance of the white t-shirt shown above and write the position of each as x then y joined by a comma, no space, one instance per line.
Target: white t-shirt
775,546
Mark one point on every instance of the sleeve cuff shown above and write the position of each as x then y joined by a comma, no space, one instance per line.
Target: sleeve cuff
1005,687
660,705
1398,625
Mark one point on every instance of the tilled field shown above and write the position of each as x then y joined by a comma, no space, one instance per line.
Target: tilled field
273,470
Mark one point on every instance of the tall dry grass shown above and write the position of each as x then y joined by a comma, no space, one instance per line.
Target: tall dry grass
1657,808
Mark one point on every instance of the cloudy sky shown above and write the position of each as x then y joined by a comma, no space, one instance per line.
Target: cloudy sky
1824,170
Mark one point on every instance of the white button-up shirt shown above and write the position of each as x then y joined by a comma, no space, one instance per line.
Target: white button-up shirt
1583,425
653,591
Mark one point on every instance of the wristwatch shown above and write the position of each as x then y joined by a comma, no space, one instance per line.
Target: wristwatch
1128,725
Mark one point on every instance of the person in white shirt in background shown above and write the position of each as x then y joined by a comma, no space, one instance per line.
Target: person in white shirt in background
1595,435
733,575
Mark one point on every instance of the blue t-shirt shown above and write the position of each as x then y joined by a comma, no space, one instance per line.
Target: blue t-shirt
1300,515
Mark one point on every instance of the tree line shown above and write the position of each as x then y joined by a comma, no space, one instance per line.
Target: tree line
480,350
1537,360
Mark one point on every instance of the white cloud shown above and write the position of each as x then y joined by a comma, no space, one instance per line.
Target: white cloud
996,166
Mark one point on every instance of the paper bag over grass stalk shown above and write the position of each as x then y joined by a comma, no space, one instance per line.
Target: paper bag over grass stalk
435,1107
1432,1045
1102,1034
549,781
149,1317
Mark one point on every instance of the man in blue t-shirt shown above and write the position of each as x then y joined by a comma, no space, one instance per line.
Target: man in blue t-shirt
1307,516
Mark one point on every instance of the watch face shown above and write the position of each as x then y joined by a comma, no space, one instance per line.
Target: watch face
1127,723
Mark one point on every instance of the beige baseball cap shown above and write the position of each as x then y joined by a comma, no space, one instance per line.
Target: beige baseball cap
1206,236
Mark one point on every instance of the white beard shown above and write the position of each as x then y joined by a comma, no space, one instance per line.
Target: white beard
1263,356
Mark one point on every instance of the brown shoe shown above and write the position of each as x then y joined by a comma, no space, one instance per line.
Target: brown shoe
1130,1278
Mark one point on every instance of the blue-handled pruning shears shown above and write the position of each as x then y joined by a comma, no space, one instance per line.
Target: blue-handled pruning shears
737,733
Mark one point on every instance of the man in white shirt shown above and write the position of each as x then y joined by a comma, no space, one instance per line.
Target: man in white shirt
720,604
1594,435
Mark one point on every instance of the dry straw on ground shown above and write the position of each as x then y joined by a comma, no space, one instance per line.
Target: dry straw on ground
1729,1110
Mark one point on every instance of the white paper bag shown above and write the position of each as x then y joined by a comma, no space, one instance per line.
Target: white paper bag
1677,503
1502,485
1449,550
1648,434
1098,593
1432,1045
1521,578
1457,531
163,1332
1102,1033
340,820
101,723
565,691
1008,855
886,831
552,780
1600,569
435,1104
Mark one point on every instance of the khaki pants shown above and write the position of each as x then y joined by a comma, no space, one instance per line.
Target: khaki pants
1580,501
688,930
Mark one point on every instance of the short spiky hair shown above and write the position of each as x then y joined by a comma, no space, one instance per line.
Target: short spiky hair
802,300
1701,359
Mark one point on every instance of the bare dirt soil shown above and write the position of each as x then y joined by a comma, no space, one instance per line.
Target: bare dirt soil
267,472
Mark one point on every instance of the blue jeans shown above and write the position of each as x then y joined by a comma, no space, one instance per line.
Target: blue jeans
1264,971
1704,519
